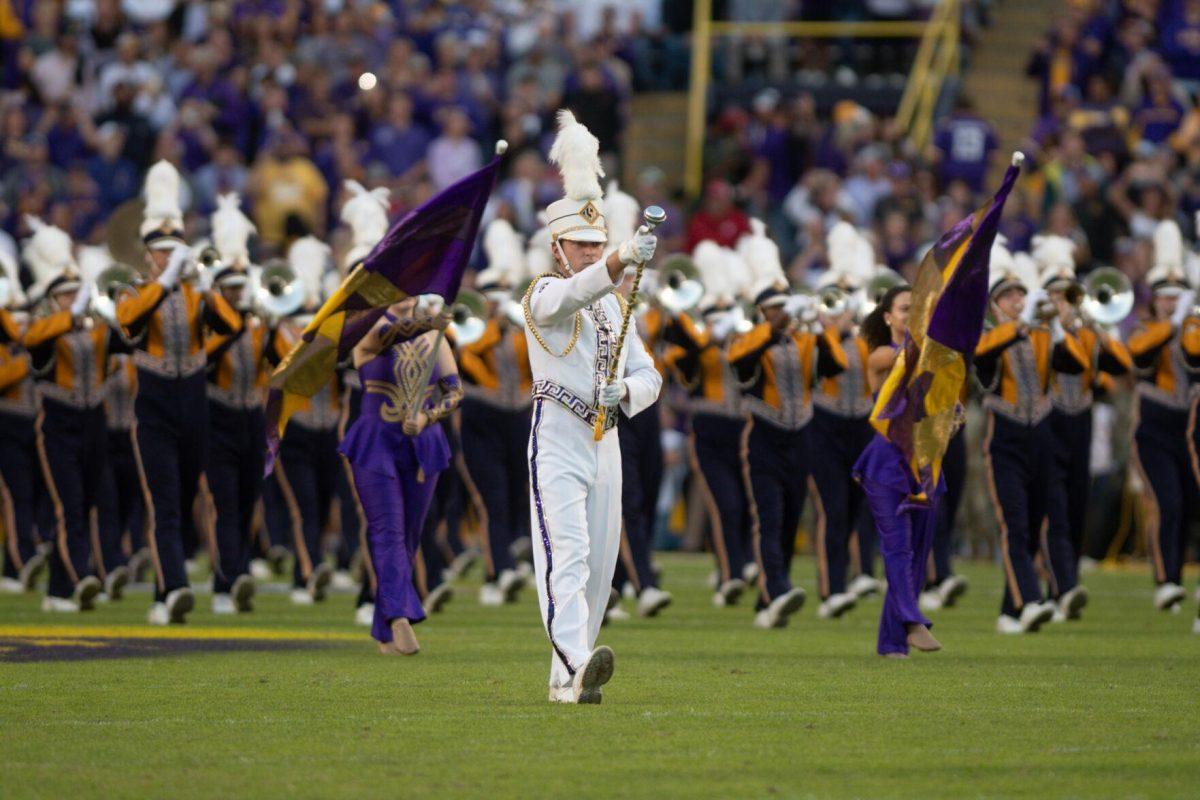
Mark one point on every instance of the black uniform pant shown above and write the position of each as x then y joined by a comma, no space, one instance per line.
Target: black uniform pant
124,494
1066,509
838,442
306,473
235,477
73,447
172,443
494,443
20,489
954,469
1018,459
717,462
777,484
1160,447
641,478
353,518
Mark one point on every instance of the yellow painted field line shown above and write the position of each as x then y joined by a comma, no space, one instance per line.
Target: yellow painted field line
146,632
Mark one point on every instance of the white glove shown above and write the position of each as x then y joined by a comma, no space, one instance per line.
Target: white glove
801,307
1183,308
612,394
723,325
80,306
639,249
429,305
179,257
1032,301
1057,334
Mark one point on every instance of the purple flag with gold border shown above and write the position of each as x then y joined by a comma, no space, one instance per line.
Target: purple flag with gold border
918,408
426,252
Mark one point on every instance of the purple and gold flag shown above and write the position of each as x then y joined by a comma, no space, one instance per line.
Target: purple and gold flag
426,252
918,405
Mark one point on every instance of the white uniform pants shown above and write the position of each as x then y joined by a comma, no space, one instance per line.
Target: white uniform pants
575,505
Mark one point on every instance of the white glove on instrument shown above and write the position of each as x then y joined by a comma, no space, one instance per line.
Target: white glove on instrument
429,305
1183,308
722,325
179,257
1032,301
80,306
612,394
639,249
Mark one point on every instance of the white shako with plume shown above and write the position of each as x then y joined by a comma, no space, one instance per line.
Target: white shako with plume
1055,259
506,261
579,216
231,231
769,286
1168,276
50,257
162,218
1005,271
366,212
308,257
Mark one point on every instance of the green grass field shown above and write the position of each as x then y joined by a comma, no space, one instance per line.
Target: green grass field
702,705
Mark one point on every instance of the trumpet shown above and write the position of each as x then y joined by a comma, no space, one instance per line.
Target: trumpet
468,317
1106,296
112,286
833,301
280,292
680,288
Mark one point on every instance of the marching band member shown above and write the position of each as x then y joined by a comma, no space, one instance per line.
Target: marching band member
495,418
126,497
397,450
641,440
572,328
307,467
19,471
942,586
236,381
69,353
1071,424
1014,361
697,357
779,363
168,315
1160,451
840,430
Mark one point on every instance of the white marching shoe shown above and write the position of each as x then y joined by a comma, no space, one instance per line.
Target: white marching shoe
11,586
223,604
260,568
510,582
1168,596
951,589
750,573
930,600
61,605
490,595
86,592
1009,625
562,694
864,585
837,604
301,597
318,582
437,599
1070,605
595,672
652,600
1034,615
776,614
174,610
342,581
31,570
243,590
616,614
727,593
116,581
365,615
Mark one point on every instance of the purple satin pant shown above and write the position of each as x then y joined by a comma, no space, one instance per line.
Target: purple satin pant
395,508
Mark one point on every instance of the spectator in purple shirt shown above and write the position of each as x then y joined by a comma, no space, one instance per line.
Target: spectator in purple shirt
453,155
1159,113
66,136
116,175
964,144
397,142
1179,39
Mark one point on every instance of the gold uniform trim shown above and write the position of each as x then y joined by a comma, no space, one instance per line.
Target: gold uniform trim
537,335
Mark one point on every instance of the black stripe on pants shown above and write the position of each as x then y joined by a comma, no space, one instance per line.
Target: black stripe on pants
837,442
716,445
1162,454
172,446
21,485
234,472
494,444
1018,465
307,473
1066,507
74,453
777,485
641,477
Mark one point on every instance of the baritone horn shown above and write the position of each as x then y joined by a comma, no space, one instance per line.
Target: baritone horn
468,317
280,292
680,288
114,284
1107,296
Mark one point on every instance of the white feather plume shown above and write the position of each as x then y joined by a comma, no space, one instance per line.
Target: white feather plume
1054,257
231,231
11,271
504,250
842,250
48,253
92,260
309,257
622,213
366,212
1168,247
576,152
538,258
161,193
761,256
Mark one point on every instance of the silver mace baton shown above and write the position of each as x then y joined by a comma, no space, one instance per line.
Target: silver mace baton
653,216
